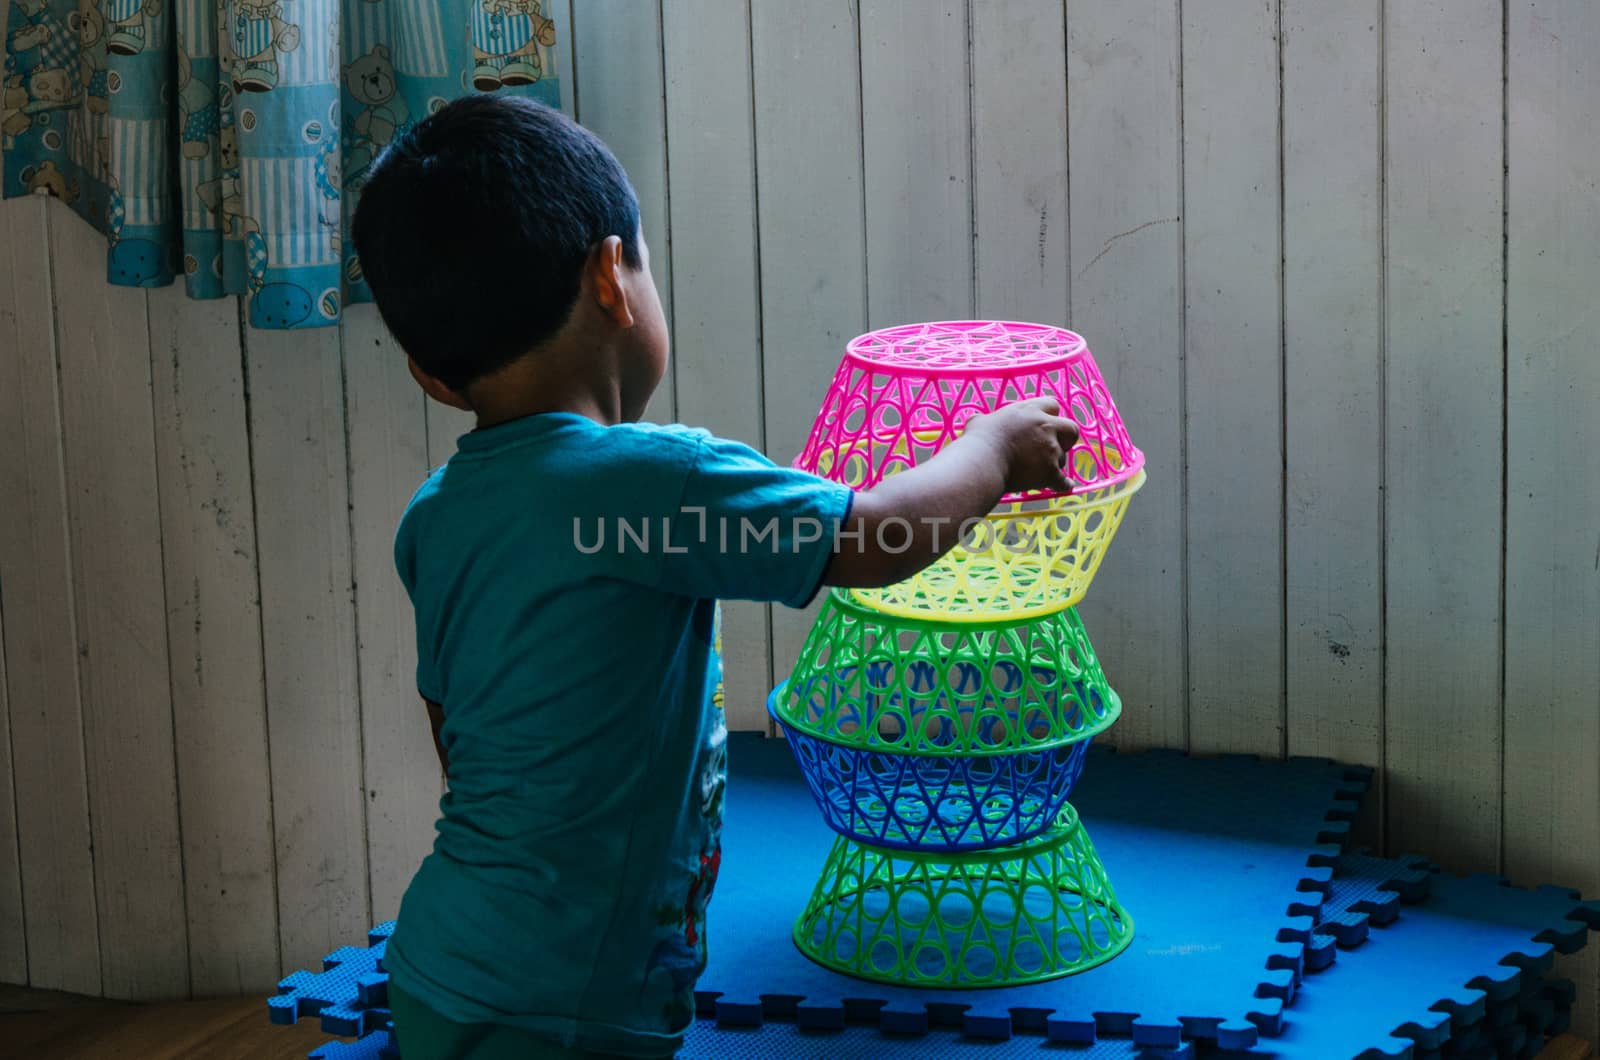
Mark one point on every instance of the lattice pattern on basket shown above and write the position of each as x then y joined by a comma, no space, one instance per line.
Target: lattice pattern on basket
1037,911
914,802
1025,559
913,686
902,393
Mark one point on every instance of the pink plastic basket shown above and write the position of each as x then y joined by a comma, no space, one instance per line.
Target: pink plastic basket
903,393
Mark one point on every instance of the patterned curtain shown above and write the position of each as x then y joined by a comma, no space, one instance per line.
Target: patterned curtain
226,140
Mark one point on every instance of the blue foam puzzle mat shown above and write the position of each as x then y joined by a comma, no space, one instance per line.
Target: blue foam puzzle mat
334,994
1547,1011
787,1041
706,1041
1539,1017
1223,883
1361,899
779,1041
1485,924
1513,1023
1501,942
1535,1010
374,1046
1447,964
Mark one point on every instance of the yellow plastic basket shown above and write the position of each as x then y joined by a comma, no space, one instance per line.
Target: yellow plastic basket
1026,558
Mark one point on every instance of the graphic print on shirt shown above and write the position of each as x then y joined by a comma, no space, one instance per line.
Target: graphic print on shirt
681,952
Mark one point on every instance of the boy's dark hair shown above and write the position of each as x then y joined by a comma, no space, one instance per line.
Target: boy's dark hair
474,225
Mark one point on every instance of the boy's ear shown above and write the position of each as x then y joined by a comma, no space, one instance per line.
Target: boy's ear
435,389
605,269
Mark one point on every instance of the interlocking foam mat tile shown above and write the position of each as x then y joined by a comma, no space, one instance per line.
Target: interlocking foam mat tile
1519,1030
1222,862
375,1046
1458,972
340,994
1366,891
786,1041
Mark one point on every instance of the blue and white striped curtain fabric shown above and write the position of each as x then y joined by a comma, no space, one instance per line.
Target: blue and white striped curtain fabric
226,140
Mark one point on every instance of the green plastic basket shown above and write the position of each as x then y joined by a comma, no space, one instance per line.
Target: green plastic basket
1038,910
920,687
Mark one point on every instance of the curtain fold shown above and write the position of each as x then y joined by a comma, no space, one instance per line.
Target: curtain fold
227,140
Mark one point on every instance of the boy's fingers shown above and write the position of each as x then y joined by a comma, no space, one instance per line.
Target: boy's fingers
1046,404
1067,432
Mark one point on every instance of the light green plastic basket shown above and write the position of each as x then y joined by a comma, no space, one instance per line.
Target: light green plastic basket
1038,910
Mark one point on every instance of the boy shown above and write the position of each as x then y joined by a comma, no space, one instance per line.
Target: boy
569,668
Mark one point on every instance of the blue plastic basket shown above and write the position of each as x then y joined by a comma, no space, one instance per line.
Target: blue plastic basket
922,802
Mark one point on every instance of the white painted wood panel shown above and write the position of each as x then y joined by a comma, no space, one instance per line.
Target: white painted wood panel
13,927
41,651
114,523
621,97
1333,362
388,461
716,294
208,543
1443,387
1552,626
1122,118
560,13
1019,147
916,114
812,229
1233,375
297,435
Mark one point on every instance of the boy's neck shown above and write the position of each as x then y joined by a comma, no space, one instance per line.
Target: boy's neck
500,410
548,382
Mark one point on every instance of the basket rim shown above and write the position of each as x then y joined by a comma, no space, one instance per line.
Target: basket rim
1101,495
1084,735
877,600
843,597
1067,824
1079,349
1132,469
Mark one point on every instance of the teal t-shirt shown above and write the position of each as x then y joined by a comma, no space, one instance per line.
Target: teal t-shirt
565,577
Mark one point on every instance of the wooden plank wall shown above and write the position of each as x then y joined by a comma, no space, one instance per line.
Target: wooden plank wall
1550,788
1125,205
1333,426
1338,261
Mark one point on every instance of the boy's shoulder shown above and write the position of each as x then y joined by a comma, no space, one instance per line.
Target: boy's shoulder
630,451
421,498
646,446
685,438
618,456
427,486
578,443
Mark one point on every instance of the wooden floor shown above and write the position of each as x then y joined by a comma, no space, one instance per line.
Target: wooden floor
43,1025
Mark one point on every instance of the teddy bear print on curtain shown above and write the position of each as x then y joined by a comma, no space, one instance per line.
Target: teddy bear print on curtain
226,140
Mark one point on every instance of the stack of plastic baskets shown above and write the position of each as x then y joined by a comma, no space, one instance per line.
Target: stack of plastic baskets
942,722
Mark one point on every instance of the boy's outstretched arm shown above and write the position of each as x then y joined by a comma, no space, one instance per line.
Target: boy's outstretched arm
1018,447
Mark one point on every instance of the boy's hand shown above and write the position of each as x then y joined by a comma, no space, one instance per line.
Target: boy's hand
1034,440
1014,449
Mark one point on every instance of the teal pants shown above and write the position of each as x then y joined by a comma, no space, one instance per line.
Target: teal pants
423,1034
